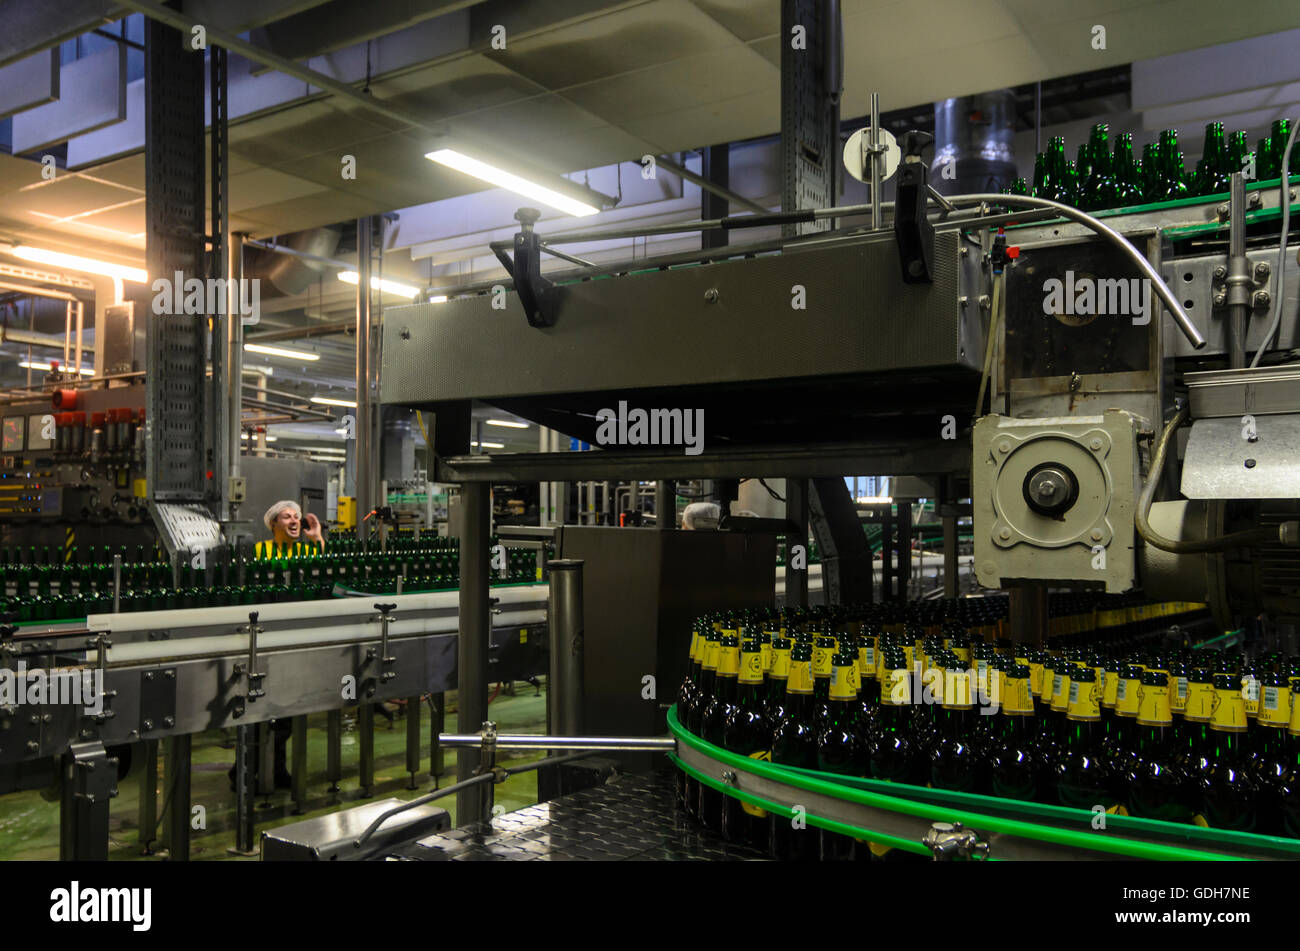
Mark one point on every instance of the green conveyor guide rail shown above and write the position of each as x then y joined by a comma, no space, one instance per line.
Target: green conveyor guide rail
898,815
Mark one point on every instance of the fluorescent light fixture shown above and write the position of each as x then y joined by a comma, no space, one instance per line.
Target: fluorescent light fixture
390,287
268,438
74,262
488,445
511,182
280,352
508,424
33,365
330,401
875,500
439,299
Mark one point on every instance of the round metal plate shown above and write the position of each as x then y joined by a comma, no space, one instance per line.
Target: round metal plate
854,158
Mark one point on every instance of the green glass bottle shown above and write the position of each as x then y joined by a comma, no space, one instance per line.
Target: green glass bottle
794,743
1151,778
1228,789
747,732
1082,779
714,720
774,703
954,763
1014,763
1215,167
1150,171
1281,131
1040,186
1274,757
1265,166
1099,189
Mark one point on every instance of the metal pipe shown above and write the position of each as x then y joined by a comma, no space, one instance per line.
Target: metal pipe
567,257
361,429
293,252
712,187
1110,234
234,361
81,320
529,741
565,621
67,335
1239,282
456,788
875,160
311,330
37,291
475,631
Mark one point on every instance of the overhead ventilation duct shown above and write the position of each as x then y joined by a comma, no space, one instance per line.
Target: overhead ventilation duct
284,275
974,143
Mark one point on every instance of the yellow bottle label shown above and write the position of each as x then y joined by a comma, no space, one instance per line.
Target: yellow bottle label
956,689
1250,695
857,678
963,654
751,667
766,655
1275,706
1085,701
1036,679
1110,690
1021,659
1153,709
781,664
1128,696
1061,691
842,687
821,661
695,647
909,651
1229,714
711,649
867,660
801,677
1200,702
992,687
1178,694
1016,696
728,661
897,688
1294,727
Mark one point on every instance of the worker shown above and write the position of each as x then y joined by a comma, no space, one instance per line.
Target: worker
284,520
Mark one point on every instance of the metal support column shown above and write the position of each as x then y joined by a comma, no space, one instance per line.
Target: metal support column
665,504
298,765
811,80
565,622
364,434
148,812
334,748
1239,283
796,502
178,784
437,726
89,780
366,745
245,745
472,644
715,166
413,739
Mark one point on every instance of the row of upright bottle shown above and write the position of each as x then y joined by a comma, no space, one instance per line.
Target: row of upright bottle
1177,734
46,584
1100,178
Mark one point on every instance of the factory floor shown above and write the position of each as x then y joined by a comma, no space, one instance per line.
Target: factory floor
29,824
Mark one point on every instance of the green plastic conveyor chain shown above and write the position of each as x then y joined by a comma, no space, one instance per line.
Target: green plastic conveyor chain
948,806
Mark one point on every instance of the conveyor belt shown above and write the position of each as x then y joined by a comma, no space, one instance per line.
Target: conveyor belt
632,818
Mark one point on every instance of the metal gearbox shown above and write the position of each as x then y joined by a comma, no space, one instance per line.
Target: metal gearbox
1054,498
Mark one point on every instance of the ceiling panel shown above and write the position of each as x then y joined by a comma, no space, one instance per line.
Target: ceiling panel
745,20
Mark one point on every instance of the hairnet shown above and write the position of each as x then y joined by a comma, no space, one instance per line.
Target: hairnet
274,511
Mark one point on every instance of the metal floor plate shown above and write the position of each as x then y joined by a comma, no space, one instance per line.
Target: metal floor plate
632,818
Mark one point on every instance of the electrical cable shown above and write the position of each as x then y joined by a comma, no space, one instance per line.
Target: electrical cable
1152,537
1284,202
995,322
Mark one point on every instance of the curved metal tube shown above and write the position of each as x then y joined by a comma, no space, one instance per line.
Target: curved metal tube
1110,234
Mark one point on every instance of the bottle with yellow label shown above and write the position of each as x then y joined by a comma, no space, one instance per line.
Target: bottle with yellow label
1121,739
686,698
838,744
774,700
1289,781
1228,789
747,732
1015,767
953,761
893,755
1274,756
1152,780
713,722
794,743
822,655
1082,779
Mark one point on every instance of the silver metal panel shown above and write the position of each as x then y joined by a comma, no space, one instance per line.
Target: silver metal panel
1220,463
186,527
1236,393
122,343
93,96
1194,281
29,82
859,318
330,838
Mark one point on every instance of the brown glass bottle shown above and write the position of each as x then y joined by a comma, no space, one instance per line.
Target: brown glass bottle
747,732
714,720
1152,783
794,743
1227,788
1082,780
1015,768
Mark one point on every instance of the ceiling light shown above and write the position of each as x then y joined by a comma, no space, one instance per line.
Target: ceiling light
280,352
75,263
508,424
875,500
488,445
268,438
511,182
330,401
439,299
391,287
33,365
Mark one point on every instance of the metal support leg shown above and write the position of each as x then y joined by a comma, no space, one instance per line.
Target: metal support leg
472,644
89,781
334,748
148,814
950,565
178,812
413,739
265,760
299,768
796,502
366,741
438,756
245,748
